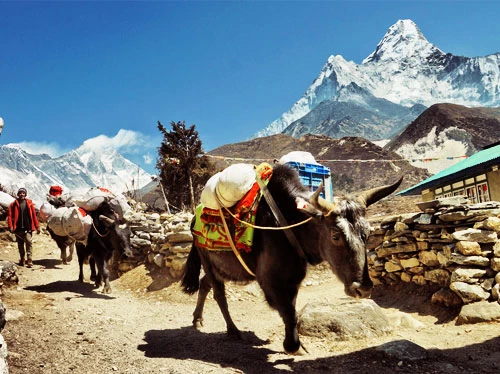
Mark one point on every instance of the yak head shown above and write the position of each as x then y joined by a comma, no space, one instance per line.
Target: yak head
116,229
344,234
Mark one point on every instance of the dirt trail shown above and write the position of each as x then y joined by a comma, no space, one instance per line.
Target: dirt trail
58,325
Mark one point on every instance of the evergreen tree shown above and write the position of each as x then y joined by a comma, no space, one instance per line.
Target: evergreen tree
183,169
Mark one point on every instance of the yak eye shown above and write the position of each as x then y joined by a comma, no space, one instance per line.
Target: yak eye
336,236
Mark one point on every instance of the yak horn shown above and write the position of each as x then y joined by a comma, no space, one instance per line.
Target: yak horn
375,194
324,205
106,220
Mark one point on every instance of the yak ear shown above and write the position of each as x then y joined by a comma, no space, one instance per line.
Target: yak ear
106,220
306,207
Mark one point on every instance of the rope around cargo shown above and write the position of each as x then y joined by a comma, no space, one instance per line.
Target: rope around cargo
266,227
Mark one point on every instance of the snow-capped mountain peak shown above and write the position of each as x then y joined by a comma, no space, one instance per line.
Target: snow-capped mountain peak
403,40
87,166
405,70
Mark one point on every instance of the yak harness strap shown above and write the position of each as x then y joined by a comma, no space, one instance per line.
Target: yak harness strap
233,247
279,217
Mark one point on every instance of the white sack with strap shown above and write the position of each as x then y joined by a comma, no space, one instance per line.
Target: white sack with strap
94,197
120,206
46,211
208,198
229,186
70,222
91,199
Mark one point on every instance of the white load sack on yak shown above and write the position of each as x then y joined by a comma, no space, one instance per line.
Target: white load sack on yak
95,196
70,222
46,211
228,186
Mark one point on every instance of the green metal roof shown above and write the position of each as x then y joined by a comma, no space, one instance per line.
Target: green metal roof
475,164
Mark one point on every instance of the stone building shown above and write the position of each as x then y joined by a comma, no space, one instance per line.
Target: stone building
476,177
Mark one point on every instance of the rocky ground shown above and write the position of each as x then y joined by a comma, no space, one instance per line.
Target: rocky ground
58,325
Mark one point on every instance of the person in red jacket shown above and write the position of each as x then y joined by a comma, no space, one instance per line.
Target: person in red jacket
22,221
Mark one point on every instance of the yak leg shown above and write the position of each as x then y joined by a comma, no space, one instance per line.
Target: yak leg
93,273
205,288
71,250
80,249
284,302
220,296
103,274
80,273
63,254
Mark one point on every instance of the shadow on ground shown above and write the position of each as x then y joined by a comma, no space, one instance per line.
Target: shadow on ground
83,289
412,298
49,263
252,357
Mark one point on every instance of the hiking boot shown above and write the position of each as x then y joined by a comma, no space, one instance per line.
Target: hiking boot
21,262
29,264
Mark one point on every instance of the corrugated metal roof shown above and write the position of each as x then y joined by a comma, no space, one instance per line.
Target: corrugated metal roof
481,157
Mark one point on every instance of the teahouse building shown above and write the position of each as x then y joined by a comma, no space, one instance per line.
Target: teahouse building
476,177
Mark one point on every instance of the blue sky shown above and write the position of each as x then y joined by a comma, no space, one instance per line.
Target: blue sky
108,71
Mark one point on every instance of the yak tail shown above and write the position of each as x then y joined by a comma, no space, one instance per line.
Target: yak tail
191,278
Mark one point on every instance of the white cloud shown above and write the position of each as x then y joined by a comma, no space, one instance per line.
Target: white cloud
35,148
128,142
148,159
124,140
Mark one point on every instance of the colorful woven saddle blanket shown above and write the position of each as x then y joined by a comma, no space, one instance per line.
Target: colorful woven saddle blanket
209,231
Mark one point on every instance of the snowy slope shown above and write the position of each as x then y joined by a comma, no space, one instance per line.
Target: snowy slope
84,167
406,69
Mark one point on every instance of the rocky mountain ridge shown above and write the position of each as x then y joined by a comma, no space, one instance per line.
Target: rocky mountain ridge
446,132
82,168
405,69
355,163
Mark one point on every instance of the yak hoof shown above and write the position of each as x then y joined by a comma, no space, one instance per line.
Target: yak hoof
93,278
198,323
235,333
106,290
293,347
302,351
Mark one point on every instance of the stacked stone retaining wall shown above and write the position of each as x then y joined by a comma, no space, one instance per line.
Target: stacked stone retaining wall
163,240
450,244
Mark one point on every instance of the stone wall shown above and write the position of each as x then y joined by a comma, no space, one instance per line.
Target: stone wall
450,244
163,240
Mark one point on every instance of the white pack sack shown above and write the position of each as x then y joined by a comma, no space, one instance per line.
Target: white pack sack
120,205
46,211
228,186
70,222
208,198
91,199
234,182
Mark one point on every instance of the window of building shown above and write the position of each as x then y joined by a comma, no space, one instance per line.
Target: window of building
476,189
471,193
482,192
